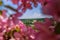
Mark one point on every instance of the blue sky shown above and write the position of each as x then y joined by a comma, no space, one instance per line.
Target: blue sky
34,13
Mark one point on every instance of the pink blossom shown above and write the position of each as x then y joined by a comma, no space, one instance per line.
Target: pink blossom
51,8
14,1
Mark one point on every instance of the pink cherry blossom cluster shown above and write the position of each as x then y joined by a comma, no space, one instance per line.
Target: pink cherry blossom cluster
11,26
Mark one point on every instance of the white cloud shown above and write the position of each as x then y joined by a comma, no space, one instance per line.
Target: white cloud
34,15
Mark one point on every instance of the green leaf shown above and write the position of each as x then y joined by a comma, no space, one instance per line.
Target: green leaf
1,3
57,28
0,12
